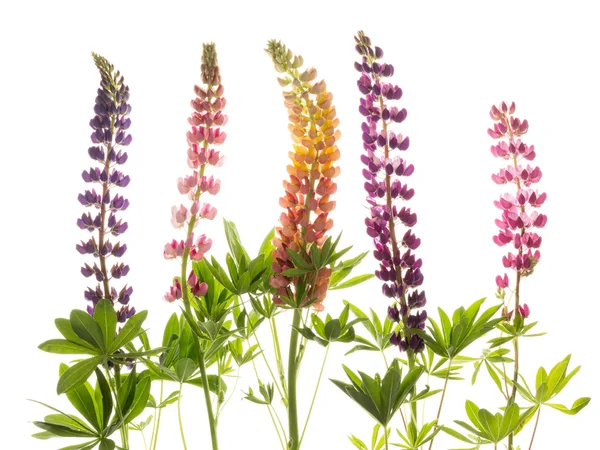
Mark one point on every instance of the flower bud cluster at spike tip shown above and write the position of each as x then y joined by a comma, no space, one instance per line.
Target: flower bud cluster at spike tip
399,268
519,218
310,186
109,137
205,135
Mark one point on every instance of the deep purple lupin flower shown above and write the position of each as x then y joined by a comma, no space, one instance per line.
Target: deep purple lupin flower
399,269
109,138
520,217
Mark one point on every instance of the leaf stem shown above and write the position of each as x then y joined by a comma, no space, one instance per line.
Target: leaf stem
158,413
437,419
179,417
315,394
281,442
537,419
112,383
281,390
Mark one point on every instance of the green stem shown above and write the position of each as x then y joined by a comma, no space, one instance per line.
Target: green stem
278,356
513,395
144,439
437,419
292,379
222,406
154,439
413,404
537,419
385,438
112,383
179,417
281,390
281,442
315,394
201,363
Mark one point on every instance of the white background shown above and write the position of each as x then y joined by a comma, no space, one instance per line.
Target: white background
453,60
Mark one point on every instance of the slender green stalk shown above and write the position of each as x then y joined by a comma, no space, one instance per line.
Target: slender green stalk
315,394
222,405
179,417
157,415
278,357
513,395
292,383
144,439
201,363
442,399
385,438
112,383
281,441
537,419
413,405
281,390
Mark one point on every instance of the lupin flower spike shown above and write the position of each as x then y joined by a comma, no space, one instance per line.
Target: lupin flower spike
110,137
310,185
399,269
206,121
519,217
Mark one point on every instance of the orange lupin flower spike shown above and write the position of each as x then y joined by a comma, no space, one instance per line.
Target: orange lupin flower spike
308,190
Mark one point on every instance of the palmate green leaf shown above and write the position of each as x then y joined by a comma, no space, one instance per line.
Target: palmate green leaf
87,328
234,242
129,331
83,399
77,374
578,405
142,393
106,317
266,248
62,431
456,434
232,268
103,399
214,384
76,419
65,347
65,328
171,398
126,391
184,369
85,446
107,444
171,329
66,421
353,281
358,443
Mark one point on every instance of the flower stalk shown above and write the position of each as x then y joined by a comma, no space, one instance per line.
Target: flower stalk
206,119
399,269
519,218
110,137
308,190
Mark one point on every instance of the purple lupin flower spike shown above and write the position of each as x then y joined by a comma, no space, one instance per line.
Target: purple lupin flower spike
519,216
399,269
110,137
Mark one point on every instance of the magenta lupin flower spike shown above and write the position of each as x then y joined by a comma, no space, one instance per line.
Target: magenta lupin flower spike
205,134
110,137
399,269
520,218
